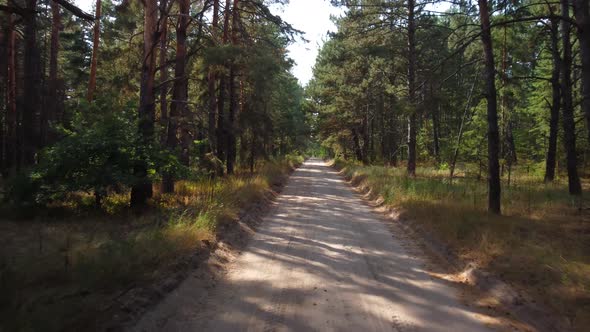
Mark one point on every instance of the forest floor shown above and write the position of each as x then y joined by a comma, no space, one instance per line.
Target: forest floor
539,247
73,268
324,260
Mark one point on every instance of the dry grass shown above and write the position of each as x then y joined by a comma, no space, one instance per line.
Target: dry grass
541,244
58,272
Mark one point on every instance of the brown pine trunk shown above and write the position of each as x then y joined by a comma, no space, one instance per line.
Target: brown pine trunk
30,133
142,190
555,104
358,151
11,115
461,127
95,45
164,71
234,107
53,102
582,15
435,132
221,130
412,88
494,189
180,89
392,136
569,126
211,85
4,37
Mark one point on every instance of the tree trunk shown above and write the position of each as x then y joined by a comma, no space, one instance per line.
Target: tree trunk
358,151
182,80
508,146
4,39
11,110
494,190
32,85
412,88
52,105
142,190
435,132
95,44
234,107
392,133
221,130
555,104
582,15
569,126
180,89
461,127
211,82
164,70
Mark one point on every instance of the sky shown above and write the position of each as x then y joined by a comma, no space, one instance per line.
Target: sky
310,16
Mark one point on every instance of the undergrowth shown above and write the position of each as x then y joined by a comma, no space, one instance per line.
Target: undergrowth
56,273
541,243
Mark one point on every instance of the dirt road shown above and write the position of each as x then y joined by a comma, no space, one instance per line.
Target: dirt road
323,261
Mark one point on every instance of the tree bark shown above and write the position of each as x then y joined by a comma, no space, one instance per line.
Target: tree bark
95,45
164,70
32,84
569,126
582,15
142,190
180,93
211,85
412,88
221,130
461,127
11,110
358,151
494,189
4,40
435,132
555,104
53,103
234,91
180,88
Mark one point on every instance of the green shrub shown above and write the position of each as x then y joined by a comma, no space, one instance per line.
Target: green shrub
97,154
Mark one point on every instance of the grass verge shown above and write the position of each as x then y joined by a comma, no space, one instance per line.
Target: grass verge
541,244
61,274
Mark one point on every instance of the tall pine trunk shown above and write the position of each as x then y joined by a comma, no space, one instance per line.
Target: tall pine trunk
95,45
583,32
142,190
494,189
4,37
53,102
221,122
234,91
30,134
164,70
11,110
211,85
412,88
569,126
555,104
180,88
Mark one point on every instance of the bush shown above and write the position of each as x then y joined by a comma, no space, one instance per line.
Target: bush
96,154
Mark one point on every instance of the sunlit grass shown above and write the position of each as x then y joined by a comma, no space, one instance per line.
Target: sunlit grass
541,243
45,266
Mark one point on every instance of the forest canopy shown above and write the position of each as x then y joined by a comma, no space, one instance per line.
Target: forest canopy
142,92
495,84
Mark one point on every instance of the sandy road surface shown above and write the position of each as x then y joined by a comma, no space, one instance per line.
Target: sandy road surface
321,261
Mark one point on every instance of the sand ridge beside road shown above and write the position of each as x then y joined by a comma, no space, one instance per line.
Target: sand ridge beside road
321,261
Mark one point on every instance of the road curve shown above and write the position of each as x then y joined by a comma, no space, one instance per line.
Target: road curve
321,261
